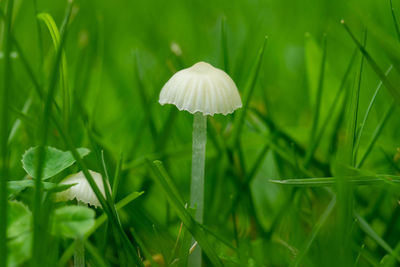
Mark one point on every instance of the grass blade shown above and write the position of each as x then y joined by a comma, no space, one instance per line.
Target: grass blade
38,224
280,134
318,98
97,257
4,153
99,222
345,157
121,204
396,25
117,178
346,148
369,231
376,134
146,253
321,221
260,158
177,203
371,103
109,209
391,161
395,91
165,131
331,181
120,236
224,45
248,93
388,260
332,109
106,179
25,62
217,236
356,102
39,32
55,36
17,122
143,100
185,247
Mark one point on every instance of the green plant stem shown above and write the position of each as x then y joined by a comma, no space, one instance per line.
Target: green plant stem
224,45
117,178
248,92
38,225
366,116
197,183
374,65
376,134
79,254
17,123
396,26
317,227
356,108
130,251
161,176
99,222
317,105
4,135
332,110
40,41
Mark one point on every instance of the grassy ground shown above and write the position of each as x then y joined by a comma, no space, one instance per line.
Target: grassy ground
305,174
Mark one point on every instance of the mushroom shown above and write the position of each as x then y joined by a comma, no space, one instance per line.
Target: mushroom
81,191
201,90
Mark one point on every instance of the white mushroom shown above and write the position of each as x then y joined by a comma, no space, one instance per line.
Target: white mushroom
81,191
202,90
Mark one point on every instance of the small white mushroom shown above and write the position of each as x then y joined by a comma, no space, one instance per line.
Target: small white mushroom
201,88
81,191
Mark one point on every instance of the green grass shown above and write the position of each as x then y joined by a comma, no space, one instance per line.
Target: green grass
4,168
306,173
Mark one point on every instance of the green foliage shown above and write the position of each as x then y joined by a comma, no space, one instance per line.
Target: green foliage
56,161
19,219
305,174
18,233
15,187
177,203
73,221
55,36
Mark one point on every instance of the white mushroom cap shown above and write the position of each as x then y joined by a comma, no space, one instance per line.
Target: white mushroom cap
201,88
82,190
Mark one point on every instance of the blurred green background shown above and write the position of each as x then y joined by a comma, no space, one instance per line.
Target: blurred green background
119,55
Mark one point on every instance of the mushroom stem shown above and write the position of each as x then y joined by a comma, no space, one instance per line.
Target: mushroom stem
197,183
198,158
79,254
